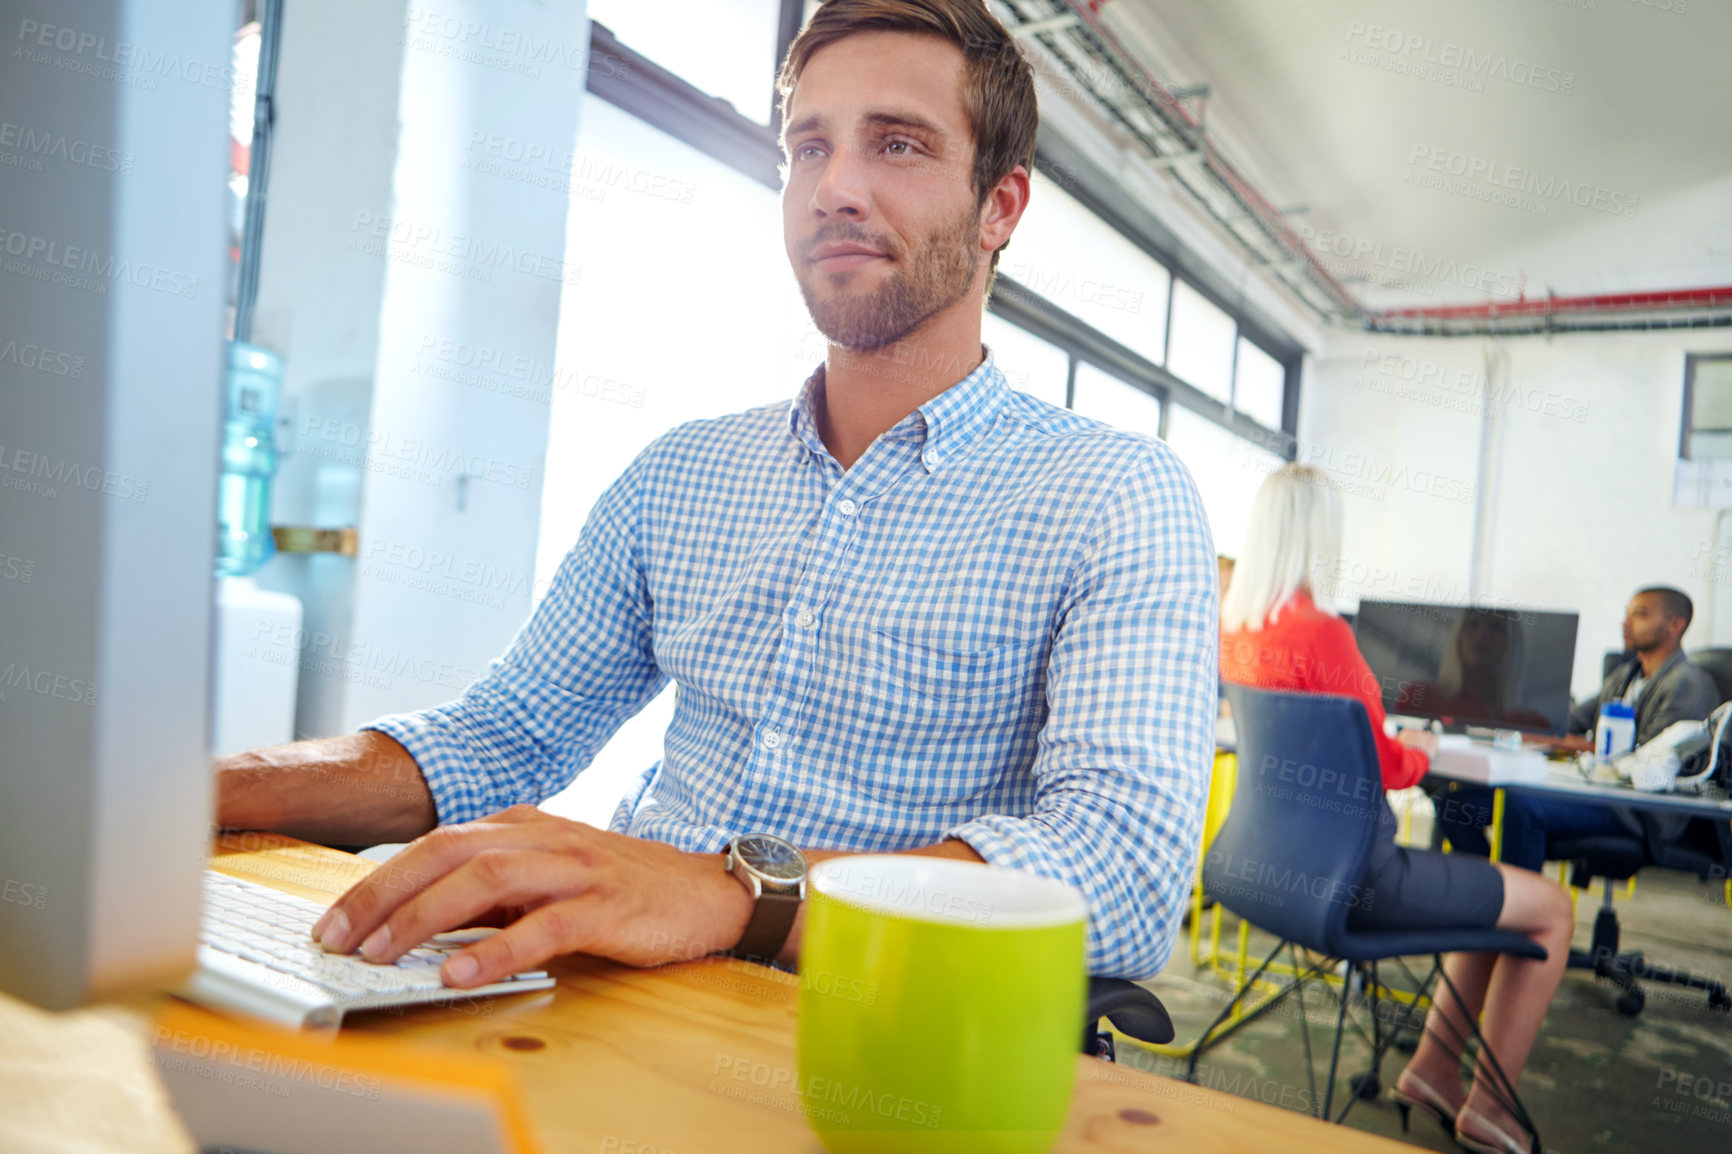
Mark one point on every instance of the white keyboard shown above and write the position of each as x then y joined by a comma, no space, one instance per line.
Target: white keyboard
257,956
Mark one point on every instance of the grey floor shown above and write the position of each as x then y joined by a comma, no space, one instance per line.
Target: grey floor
1597,1082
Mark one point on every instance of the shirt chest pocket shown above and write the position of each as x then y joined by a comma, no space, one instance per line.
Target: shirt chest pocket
948,676
962,641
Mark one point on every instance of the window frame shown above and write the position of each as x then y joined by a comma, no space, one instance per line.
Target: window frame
637,85
270,18
1688,427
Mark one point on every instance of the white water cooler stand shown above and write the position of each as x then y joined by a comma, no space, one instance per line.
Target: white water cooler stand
257,666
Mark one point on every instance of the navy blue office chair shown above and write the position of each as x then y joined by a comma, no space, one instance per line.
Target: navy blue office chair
1308,805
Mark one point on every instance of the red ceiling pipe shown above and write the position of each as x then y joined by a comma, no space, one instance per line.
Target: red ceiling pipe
1661,299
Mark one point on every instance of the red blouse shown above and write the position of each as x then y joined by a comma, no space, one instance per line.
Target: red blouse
1308,650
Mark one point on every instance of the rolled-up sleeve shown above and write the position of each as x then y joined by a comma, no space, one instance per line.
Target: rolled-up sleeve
578,669
1124,758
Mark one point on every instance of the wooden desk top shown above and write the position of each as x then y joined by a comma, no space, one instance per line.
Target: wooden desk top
698,1058
655,1056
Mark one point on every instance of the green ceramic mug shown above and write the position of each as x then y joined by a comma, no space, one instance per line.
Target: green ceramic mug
941,1006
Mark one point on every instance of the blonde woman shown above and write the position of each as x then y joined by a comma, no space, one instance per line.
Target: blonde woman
1279,631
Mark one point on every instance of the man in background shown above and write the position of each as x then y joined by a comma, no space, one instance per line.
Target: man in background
1657,681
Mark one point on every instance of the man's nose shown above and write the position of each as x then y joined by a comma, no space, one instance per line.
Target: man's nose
841,187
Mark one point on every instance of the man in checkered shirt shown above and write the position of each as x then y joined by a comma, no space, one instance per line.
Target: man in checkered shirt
912,611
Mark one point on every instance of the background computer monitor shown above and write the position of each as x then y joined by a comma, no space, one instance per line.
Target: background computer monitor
1502,668
111,352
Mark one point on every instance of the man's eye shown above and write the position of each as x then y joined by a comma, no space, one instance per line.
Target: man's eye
897,147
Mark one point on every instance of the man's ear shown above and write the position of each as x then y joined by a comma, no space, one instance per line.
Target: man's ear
1003,209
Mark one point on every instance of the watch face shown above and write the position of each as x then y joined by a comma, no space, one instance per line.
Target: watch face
772,857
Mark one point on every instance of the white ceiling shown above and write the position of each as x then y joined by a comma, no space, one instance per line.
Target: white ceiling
1319,114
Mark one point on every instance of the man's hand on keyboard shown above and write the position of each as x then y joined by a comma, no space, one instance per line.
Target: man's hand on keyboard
557,887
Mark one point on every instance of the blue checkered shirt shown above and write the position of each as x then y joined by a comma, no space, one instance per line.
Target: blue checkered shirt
998,625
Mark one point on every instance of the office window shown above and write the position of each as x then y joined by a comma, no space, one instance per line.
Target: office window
1202,343
685,309
1227,468
253,58
245,61
1707,407
725,47
1037,367
1106,398
1074,259
1260,386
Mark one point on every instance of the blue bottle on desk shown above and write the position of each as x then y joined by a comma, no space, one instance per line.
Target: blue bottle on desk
249,460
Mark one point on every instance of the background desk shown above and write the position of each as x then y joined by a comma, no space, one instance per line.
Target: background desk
615,1055
1562,780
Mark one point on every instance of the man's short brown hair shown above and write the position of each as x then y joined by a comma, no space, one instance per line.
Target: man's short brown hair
998,84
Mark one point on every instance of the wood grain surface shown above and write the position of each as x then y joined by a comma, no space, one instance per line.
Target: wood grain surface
698,1058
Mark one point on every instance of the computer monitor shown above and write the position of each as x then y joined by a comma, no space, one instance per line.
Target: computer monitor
112,265
1501,668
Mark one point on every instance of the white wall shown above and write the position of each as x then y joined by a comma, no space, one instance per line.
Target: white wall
392,235
476,257
1576,483
335,146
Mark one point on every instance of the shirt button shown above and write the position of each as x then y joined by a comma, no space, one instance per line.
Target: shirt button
846,507
805,618
773,739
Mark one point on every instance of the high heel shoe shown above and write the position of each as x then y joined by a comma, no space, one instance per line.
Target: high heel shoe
1428,1100
1506,1144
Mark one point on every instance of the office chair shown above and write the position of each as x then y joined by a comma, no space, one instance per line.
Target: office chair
1612,660
1132,1009
1308,805
1717,663
1706,851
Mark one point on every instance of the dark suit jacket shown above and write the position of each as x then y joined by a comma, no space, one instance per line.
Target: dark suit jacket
1678,691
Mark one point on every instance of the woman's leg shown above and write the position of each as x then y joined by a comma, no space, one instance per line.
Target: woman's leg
1512,993
1437,1061
1520,989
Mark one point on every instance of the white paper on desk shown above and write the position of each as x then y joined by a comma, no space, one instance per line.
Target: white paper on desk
292,1106
1467,760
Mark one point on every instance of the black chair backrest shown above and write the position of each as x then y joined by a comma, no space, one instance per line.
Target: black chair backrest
1305,812
1717,663
1611,661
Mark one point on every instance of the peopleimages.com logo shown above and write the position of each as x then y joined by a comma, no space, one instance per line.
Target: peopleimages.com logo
1534,190
1429,58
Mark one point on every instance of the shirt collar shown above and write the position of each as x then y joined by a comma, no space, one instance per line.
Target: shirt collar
946,428
1676,657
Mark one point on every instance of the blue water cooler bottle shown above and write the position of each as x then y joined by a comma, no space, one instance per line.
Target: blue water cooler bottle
249,460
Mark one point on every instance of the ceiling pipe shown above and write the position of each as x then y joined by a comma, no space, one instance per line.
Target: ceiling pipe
1267,217
1659,300
1523,316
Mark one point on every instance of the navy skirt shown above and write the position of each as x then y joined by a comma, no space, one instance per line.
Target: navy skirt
1411,889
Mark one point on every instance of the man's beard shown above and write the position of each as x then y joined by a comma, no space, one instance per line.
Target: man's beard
931,278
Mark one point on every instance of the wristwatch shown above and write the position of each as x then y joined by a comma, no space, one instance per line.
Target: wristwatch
774,872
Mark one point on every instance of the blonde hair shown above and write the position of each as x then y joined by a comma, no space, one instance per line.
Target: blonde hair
1294,533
